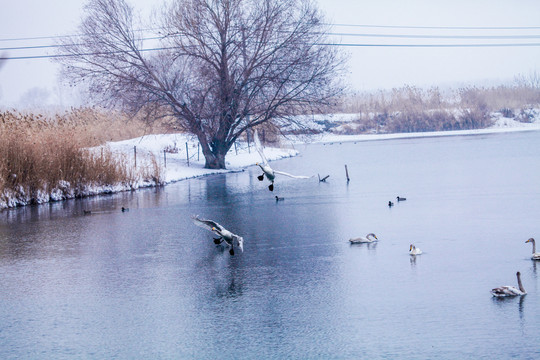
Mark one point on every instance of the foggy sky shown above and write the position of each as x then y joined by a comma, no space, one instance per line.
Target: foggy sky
404,23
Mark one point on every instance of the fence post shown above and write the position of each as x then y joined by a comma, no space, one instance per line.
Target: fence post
187,153
135,155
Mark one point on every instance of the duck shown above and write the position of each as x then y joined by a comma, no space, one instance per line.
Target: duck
371,237
87,212
225,235
124,209
505,291
265,167
390,204
279,198
535,255
400,198
413,250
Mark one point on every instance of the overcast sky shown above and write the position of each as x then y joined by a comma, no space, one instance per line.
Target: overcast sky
389,27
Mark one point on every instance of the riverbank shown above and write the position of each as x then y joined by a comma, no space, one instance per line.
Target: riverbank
175,157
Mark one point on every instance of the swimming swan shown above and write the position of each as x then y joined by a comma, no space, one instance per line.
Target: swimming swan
510,290
413,250
362,240
535,255
225,235
267,170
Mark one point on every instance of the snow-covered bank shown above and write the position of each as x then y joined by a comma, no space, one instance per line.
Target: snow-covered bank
163,155
172,151
501,125
167,155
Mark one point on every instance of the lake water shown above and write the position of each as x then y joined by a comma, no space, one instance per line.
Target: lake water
148,283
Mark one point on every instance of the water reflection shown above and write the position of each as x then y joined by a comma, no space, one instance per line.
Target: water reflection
299,290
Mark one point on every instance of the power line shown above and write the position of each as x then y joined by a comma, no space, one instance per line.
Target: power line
413,36
436,45
338,24
321,44
441,27
401,36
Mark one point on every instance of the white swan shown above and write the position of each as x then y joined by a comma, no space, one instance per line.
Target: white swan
413,250
510,290
225,235
362,240
535,255
265,167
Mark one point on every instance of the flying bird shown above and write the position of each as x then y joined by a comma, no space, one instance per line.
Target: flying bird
225,235
265,167
504,291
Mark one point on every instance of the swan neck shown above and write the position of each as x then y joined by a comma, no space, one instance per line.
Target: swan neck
520,284
534,245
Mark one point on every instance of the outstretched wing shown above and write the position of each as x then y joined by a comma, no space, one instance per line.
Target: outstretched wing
292,176
259,147
206,224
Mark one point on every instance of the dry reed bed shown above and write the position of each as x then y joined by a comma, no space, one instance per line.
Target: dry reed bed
44,158
412,109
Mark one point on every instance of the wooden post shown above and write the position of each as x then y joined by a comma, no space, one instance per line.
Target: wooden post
165,157
135,155
347,173
187,153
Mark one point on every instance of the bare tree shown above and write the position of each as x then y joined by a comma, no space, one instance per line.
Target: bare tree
219,68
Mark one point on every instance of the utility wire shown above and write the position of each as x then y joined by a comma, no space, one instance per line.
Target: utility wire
341,25
404,36
441,27
321,44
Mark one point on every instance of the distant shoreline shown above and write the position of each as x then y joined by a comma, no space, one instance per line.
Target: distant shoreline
330,138
177,169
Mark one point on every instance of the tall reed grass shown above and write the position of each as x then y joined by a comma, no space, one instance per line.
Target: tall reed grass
413,109
49,157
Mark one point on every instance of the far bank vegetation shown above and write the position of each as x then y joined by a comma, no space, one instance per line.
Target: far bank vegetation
413,109
47,157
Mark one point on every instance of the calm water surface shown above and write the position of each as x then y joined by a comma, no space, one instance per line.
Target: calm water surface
148,283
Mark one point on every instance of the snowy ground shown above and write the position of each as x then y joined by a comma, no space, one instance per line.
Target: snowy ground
177,169
171,152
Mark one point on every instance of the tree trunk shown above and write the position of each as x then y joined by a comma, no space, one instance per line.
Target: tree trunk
214,156
215,161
